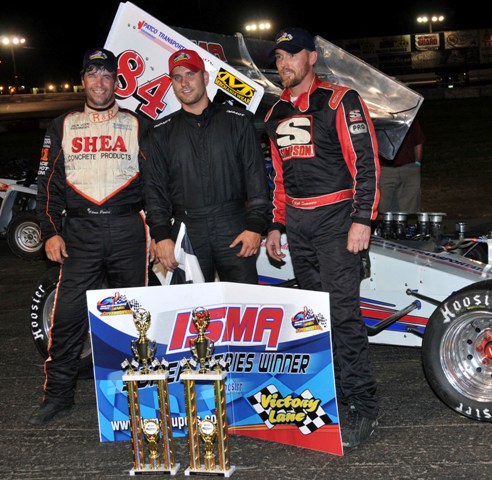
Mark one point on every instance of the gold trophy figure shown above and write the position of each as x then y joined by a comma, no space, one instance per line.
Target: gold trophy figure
201,347
209,371
157,432
143,349
208,432
151,431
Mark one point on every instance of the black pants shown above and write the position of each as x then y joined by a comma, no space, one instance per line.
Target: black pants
110,248
318,247
211,231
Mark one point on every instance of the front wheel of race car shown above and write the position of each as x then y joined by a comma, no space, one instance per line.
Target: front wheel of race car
457,351
42,302
24,237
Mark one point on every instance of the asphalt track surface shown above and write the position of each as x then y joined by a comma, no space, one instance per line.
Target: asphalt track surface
418,437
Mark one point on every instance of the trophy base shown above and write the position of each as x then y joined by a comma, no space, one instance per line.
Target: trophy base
208,376
146,470
203,471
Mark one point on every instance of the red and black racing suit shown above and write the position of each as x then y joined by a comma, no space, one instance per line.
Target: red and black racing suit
208,171
90,169
324,152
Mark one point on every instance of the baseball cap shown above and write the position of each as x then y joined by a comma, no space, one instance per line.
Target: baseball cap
100,56
293,40
186,58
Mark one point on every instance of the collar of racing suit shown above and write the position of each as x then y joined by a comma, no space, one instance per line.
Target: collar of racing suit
98,115
302,101
200,120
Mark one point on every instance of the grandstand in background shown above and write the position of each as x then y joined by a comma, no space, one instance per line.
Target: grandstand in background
450,58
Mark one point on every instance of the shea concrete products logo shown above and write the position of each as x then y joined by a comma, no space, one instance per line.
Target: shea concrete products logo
235,86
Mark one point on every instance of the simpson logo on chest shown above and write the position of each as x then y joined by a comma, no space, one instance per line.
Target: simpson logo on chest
294,137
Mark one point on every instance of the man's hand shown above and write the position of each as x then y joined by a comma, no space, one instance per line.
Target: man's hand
273,245
152,254
359,237
164,254
55,249
250,243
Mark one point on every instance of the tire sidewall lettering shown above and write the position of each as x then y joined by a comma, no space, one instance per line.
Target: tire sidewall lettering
450,310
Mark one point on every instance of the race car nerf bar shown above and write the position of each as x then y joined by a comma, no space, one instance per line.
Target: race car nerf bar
383,324
430,300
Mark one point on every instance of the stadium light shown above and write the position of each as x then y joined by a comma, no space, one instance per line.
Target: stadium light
430,20
258,27
13,42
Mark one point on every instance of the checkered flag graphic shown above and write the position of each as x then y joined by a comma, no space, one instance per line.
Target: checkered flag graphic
313,420
134,305
255,401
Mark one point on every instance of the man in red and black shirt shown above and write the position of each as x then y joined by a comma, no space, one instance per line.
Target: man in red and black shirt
324,152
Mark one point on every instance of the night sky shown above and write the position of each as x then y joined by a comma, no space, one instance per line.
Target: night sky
55,48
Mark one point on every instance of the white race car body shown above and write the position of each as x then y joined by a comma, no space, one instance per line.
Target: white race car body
396,269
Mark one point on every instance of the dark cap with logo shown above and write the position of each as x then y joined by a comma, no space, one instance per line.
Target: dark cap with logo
100,56
186,58
293,40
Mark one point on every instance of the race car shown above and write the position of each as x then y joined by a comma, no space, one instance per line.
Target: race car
428,290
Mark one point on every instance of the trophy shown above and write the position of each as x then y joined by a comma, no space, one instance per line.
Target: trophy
207,431
157,432
143,349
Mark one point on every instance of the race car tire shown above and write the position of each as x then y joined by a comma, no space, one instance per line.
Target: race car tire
457,351
42,302
24,237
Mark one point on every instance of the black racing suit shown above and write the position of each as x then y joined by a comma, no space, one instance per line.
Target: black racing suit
324,152
90,170
208,172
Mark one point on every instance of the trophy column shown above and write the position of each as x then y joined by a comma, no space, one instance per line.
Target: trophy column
222,426
154,433
135,422
208,431
192,422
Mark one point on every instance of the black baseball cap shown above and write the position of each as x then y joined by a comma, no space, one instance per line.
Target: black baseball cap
100,56
293,40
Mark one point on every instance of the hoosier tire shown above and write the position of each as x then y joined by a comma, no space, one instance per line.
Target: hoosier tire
457,351
42,302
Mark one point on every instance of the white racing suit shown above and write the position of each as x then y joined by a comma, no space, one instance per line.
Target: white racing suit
90,170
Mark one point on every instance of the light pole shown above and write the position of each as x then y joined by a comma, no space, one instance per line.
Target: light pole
13,42
258,27
430,20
